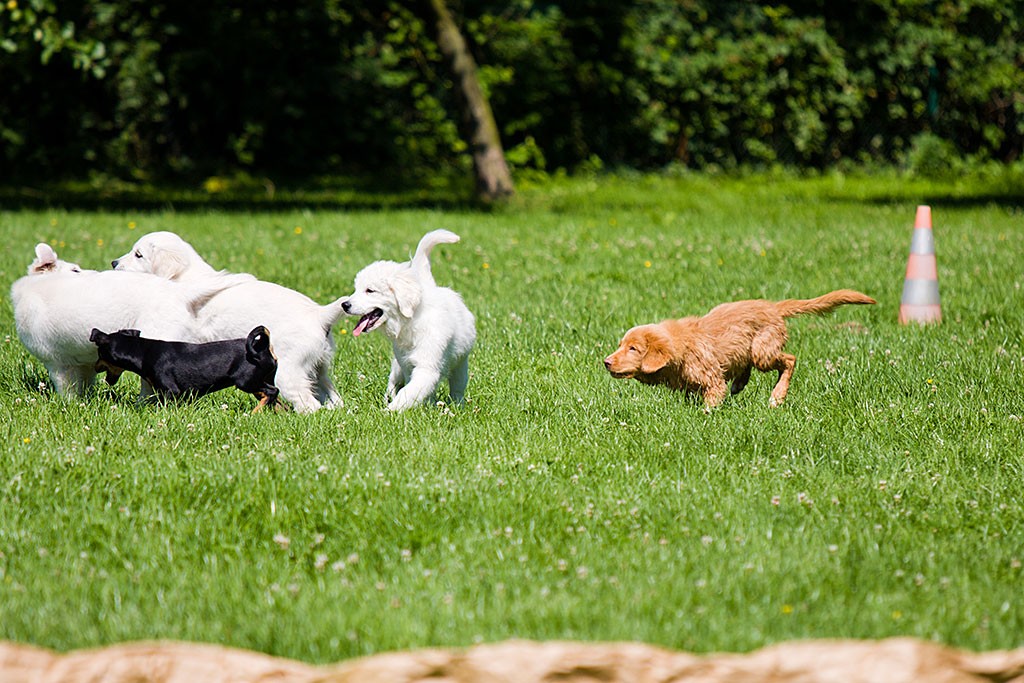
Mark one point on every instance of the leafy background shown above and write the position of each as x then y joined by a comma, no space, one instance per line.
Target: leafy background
143,90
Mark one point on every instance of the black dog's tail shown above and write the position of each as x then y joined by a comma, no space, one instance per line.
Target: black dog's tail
420,264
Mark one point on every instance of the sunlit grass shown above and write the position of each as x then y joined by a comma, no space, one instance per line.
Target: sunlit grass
883,499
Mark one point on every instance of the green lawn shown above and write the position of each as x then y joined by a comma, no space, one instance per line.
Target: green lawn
884,498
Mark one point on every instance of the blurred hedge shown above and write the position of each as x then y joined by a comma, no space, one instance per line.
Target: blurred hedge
158,89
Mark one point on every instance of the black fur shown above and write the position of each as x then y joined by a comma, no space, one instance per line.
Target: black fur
177,369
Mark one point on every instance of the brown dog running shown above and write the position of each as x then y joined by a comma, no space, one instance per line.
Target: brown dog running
702,355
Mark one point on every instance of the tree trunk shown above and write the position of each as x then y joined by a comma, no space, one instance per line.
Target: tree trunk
493,179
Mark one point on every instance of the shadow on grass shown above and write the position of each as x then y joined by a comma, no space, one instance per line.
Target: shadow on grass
1004,189
247,194
1005,200
449,191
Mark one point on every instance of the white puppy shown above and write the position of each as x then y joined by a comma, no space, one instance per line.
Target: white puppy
430,328
57,304
300,327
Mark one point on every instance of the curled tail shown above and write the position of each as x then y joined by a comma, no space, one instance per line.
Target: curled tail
420,264
822,304
332,313
198,293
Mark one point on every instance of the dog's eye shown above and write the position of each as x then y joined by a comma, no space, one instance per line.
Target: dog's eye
76,270
632,348
138,254
370,291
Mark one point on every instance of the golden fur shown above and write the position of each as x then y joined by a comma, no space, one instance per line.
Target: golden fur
702,355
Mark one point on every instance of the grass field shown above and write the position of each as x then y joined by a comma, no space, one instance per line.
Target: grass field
884,498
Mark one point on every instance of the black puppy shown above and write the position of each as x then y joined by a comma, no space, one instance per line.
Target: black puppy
178,368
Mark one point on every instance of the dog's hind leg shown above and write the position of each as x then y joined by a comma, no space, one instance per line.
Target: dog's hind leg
296,388
326,393
784,364
458,379
767,354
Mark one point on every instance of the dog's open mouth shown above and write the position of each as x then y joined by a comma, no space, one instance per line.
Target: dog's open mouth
367,322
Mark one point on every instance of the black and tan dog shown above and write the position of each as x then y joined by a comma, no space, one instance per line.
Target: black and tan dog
176,369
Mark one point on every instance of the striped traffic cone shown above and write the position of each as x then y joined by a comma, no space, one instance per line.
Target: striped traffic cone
920,302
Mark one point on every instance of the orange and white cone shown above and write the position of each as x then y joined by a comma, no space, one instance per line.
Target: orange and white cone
920,302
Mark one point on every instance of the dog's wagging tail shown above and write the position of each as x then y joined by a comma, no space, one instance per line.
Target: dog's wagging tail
826,303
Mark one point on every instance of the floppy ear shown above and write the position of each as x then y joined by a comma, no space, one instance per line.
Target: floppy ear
658,352
96,336
169,263
257,343
407,293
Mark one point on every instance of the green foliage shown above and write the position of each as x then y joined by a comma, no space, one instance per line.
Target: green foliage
754,85
932,157
883,499
146,90
37,22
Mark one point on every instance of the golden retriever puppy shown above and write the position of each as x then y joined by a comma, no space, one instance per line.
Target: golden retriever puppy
702,355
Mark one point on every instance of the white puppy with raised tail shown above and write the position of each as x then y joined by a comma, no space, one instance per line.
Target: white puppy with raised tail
300,327
57,304
430,328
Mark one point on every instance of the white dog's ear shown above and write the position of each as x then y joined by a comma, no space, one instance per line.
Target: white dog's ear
407,293
169,263
46,259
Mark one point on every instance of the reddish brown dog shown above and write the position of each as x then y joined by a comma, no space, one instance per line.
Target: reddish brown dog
702,355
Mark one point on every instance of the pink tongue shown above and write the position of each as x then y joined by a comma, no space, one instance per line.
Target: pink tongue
361,327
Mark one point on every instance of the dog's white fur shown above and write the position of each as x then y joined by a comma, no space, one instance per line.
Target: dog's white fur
57,304
300,327
431,330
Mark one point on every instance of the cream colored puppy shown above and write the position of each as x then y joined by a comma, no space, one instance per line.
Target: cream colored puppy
431,330
301,328
57,305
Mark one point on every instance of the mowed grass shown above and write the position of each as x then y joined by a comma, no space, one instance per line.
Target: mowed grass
884,498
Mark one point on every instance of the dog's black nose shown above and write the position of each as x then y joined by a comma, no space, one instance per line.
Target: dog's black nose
346,306
113,264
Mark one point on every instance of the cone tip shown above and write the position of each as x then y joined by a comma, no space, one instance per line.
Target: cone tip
924,217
